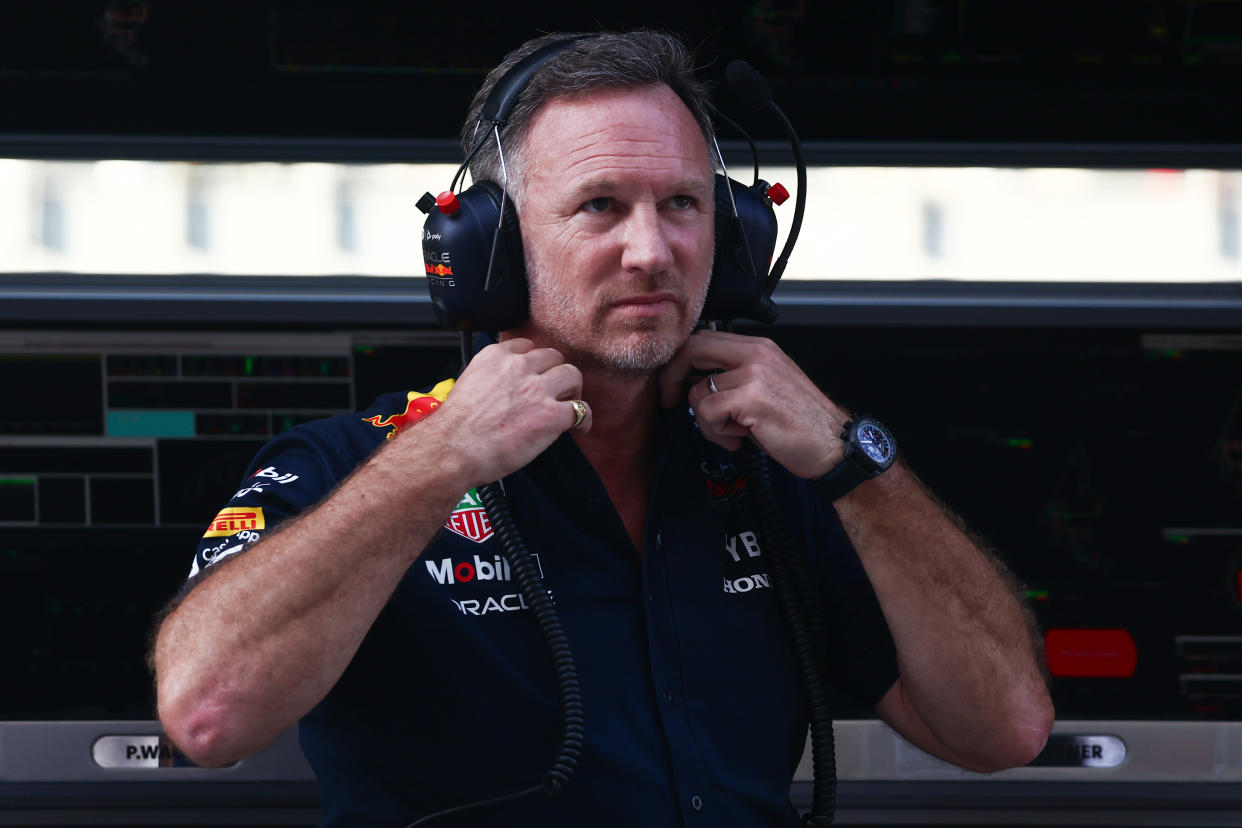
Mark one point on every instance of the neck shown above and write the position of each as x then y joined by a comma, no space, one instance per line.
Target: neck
624,409
621,443
623,420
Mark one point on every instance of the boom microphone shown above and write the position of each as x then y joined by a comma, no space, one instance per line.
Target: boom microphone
749,85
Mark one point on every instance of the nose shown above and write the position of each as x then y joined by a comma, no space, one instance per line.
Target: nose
646,242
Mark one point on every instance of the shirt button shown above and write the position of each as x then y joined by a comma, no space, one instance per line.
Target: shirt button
696,803
668,698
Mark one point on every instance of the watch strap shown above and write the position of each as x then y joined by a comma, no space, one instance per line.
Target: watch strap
840,480
846,475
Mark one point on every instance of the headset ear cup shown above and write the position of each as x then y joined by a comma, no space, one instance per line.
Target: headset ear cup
511,241
458,250
745,244
724,274
509,268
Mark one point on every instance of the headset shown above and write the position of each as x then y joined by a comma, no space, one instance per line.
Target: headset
472,241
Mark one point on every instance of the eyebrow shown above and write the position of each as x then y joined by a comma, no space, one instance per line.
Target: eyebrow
693,186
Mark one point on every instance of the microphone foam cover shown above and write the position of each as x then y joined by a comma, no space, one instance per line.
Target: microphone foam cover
749,85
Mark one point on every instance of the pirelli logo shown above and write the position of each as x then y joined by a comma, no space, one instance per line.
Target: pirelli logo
232,521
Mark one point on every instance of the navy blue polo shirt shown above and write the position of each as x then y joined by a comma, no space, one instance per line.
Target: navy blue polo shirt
692,703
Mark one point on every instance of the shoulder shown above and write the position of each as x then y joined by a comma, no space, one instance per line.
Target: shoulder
351,437
300,466
393,412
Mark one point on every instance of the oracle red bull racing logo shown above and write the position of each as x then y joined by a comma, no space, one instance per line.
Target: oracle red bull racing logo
417,406
470,519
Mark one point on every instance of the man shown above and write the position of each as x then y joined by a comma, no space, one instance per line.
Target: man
417,673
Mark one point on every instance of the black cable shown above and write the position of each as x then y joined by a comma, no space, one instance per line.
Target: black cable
472,805
799,600
470,155
754,151
539,600
795,226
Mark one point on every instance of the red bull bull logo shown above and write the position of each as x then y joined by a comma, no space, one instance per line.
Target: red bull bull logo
417,406
725,489
437,270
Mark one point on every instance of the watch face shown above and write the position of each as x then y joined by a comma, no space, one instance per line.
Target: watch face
875,443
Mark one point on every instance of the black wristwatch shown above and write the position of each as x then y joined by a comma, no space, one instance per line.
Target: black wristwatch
870,449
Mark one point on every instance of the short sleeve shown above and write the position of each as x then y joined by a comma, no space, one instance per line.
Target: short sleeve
289,474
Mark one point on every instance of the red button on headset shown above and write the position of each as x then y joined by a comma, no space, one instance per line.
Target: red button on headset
778,193
447,202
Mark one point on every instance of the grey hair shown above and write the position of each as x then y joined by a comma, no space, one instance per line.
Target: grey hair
608,60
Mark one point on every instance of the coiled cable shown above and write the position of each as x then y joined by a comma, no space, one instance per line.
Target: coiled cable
799,600
539,600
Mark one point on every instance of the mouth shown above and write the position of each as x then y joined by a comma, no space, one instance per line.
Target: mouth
645,304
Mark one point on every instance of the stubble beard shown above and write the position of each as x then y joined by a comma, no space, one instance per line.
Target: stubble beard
643,349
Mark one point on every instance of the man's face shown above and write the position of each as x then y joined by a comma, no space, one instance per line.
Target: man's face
617,222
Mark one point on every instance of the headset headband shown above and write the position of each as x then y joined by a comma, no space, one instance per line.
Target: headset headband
505,93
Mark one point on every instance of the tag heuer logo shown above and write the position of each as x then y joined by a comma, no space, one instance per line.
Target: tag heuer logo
469,519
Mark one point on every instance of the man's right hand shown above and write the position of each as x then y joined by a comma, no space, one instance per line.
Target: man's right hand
510,404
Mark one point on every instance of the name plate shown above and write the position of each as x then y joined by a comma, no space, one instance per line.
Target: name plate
1076,750
149,750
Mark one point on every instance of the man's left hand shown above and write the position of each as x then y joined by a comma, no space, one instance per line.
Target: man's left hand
760,394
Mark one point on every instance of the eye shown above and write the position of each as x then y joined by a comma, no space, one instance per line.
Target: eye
597,205
681,202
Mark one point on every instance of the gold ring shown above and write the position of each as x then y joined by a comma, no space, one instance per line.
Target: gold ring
580,412
711,383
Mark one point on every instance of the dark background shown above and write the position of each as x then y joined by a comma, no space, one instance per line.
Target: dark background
1089,71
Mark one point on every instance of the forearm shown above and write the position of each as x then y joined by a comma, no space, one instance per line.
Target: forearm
263,639
267,635
970,677
966,652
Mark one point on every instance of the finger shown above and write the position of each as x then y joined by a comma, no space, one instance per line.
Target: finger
705,351
517,345
540,360
715,415
698,392
720,430
715,383
696,353
574,407
564,381
719,381
673,375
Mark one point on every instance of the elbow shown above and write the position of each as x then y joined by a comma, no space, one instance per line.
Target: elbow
1023,737
202,734
1032,731
205,730
202,718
